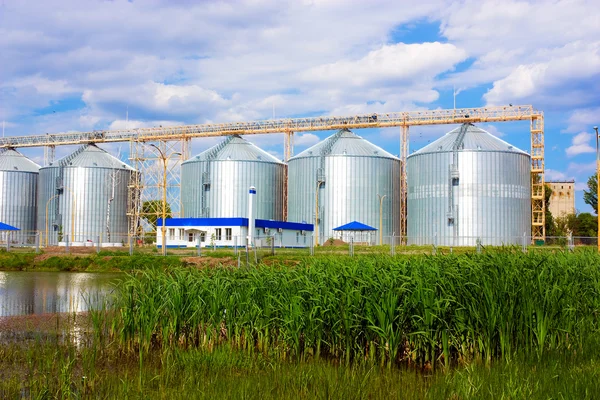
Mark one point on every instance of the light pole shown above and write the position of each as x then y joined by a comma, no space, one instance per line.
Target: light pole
165,159
319,183
380,197
597,187
47,204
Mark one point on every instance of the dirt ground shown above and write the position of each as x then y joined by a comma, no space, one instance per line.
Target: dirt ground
335,242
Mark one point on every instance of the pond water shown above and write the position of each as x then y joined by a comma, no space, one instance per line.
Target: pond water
30,293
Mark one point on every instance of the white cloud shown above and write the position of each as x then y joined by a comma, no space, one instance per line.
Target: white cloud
306,139
582,167
554,175
574,61
390,63
580,145
168,100
584,118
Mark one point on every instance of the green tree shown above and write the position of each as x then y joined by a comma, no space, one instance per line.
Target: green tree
590,196
565,224
587,225
152,211
582,224
550,224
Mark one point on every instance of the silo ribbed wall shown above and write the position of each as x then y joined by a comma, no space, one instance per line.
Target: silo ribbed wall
492,198
77,194
224,191
18,203
215,183
350,188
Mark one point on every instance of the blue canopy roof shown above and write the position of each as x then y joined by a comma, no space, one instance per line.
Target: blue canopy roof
354,226
6,227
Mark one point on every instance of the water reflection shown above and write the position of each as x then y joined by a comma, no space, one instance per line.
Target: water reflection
27,293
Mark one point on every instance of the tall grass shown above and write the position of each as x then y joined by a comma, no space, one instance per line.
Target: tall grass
419,310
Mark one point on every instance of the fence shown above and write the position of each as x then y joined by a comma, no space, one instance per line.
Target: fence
350,244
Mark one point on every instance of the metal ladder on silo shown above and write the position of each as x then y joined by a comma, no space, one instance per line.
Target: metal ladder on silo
455,176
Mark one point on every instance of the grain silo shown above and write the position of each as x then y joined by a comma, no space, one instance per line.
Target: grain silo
346,176
215,182
468,186
18,184
83,197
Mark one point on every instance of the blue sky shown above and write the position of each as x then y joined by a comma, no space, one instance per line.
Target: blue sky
76,65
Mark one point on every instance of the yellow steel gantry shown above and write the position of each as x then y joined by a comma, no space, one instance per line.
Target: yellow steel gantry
165,136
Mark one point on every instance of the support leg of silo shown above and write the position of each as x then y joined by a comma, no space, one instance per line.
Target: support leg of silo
7,241
37,242
130,245
98,244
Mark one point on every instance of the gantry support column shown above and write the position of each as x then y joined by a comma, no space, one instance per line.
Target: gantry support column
49,154
538,204
147,184
403,184
288,152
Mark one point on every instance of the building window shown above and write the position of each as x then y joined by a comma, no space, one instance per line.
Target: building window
228,234
190,237
203,236
181,234
171,234
218,234
297,237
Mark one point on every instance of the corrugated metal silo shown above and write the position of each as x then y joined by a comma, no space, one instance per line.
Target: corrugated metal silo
215,182
348,172
468,185
84,195
18,195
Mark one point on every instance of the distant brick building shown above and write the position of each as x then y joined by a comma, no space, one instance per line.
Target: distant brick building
562,201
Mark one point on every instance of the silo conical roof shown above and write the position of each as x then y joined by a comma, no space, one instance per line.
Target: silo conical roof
475,139
91,156
12,160
344,142
235,148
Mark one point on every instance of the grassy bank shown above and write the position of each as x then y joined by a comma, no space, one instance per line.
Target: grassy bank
105,261
47,370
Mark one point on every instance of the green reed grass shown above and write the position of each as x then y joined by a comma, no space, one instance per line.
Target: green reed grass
417,310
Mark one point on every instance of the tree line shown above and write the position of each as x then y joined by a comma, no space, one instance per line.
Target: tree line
578,224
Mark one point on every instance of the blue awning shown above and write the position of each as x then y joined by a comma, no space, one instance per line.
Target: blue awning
6,227
354,226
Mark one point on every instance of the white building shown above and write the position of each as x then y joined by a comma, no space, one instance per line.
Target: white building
232,232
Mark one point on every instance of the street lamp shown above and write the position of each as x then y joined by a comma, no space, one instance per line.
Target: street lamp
319,183
380,197
165,159
597,187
